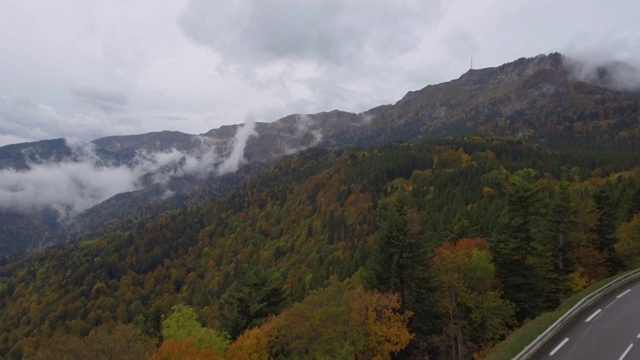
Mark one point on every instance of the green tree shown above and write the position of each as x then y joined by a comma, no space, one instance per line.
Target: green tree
560,245
628,247
337,322
606,226
517,247
397,262
250,301
183,324
468,298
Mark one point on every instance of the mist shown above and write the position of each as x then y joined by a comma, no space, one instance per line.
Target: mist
303,127
84,179
236,158
603,70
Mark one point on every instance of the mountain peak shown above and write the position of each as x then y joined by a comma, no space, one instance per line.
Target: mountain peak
510,71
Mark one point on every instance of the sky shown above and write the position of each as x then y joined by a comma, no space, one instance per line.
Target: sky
86,69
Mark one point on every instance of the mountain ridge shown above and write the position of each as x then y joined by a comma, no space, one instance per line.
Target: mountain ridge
540,97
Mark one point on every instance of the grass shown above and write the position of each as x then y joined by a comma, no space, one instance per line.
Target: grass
528,332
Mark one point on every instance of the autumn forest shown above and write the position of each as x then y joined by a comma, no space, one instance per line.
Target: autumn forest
437,249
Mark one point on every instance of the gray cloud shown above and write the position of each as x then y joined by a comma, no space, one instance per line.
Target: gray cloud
318,55
24,120
105,100
332,31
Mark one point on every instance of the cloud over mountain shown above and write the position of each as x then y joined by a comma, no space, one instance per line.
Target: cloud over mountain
85,177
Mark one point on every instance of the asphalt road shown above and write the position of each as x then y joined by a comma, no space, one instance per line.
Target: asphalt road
610,330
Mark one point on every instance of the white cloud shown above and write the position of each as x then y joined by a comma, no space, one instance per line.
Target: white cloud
84,179
69,187
236,158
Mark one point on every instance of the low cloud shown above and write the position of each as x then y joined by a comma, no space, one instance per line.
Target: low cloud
616,75
304,134
236,158
85,179
68,187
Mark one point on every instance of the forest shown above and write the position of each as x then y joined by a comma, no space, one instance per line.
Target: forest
434,249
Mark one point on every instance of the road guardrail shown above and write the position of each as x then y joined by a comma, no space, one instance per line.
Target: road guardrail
530,350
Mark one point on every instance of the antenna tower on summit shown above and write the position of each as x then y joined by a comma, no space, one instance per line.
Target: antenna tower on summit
472,63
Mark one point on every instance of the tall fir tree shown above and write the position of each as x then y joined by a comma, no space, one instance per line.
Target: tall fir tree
250,301
516,248
559,245
606,226
398,260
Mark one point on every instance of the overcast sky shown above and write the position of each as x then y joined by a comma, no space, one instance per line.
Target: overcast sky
92,68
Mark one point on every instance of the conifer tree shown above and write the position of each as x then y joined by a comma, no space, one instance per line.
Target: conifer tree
250,301
516,248
559,245
606,226
398,260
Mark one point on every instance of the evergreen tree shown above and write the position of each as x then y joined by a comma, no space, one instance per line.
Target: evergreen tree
606,227
560,245
516,248
398,262
250,301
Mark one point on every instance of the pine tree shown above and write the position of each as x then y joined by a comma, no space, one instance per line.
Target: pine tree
250,301
560,245
398,262
607,224
516,248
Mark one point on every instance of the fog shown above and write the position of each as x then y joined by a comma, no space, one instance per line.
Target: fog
84,179
599,69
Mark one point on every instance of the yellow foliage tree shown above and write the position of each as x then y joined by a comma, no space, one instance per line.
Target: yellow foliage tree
629,245
333,323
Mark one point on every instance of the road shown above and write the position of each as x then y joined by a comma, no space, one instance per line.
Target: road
610,330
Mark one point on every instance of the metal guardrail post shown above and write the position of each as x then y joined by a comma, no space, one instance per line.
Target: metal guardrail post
530,350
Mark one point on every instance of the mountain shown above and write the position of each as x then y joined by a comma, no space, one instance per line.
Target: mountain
472,205
546,99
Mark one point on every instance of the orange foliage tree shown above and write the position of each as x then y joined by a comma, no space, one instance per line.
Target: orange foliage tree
186,349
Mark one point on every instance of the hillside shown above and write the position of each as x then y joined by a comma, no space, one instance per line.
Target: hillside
380,216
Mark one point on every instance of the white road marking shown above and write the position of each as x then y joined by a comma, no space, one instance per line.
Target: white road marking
611,303
626,352
638,337
558,347
593,315
623,294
